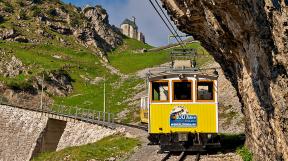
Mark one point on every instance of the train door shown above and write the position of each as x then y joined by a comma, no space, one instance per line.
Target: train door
144,110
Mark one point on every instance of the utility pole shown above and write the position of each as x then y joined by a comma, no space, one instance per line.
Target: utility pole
104,101
41,105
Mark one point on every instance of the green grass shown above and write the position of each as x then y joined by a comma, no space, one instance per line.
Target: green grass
245,153
78,63
113,146
128,59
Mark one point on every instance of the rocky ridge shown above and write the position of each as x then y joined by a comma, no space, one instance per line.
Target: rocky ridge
45,22
89,26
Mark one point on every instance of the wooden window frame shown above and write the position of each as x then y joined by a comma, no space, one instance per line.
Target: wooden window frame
214,92
192,93
151,90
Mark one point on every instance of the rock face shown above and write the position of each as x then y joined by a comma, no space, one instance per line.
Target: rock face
89,26
230,115
249,40
108,36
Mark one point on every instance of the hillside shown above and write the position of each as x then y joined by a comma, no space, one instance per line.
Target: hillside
69,47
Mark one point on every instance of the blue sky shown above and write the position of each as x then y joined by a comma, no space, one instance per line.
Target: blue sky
148,21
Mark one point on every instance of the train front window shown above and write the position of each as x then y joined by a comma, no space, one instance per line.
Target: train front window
205,91
160,91
182,91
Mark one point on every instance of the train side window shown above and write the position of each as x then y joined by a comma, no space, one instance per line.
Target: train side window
205,91
160,91
182,91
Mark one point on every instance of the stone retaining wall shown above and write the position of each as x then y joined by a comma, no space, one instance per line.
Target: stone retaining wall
24,133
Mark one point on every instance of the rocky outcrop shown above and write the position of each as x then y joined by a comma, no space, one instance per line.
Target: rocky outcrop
51,20
98,31
7,34
28,93
249,40
10,66
231,119
57,83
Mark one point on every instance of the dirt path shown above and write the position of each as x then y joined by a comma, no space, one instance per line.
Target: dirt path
112,69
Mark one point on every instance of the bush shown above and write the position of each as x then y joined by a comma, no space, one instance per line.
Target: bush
8,8
37,1
20,85
245,153
36,11
2,19
52,12
21,3
23,15
75,22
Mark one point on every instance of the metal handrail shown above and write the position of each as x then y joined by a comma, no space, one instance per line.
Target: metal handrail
98,117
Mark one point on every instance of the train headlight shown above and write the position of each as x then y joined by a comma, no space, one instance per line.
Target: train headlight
181,76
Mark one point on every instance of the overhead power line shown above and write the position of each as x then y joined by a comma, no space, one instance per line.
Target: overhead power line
167,18
171,30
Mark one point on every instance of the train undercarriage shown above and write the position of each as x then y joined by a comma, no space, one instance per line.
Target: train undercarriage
178,142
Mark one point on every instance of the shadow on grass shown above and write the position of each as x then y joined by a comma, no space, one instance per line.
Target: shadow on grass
229,143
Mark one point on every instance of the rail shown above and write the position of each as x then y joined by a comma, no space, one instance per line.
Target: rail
100,118
105,119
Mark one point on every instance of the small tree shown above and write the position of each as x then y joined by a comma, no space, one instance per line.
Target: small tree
8,8
37,1
21,3
2,19
23,15
53,12
36,11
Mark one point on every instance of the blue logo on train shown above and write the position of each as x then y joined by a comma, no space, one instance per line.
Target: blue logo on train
179,117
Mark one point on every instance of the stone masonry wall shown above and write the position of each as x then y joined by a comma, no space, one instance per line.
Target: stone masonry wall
21,129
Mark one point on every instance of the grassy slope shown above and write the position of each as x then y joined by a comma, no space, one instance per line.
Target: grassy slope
78,62
128,60
113,146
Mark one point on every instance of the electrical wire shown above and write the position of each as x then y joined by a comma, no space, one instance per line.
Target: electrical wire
155,8
169,21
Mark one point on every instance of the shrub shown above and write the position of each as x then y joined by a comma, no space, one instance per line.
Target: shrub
20,85
2,19
63,8
23,15
52,12
36,11
21,3
245,153
75,22
37,1
8,8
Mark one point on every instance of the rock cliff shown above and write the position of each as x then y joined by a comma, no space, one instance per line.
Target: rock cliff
41,23
248,39
38,22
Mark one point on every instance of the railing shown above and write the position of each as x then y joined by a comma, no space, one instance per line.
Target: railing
88,115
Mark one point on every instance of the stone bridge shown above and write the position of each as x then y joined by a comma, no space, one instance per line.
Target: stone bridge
24,133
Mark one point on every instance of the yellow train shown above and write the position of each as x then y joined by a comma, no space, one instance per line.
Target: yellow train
181,108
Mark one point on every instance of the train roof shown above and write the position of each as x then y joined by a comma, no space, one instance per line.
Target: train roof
168,72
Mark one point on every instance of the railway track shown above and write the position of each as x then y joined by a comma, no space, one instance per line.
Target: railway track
141,127
181,157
